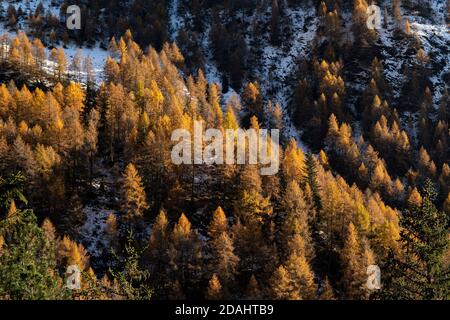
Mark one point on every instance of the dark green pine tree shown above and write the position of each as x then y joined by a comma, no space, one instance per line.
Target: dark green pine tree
11,190
310,178
419,274
28,268
27,259
131,281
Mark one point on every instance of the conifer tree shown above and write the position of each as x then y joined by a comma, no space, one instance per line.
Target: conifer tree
134,201
218,224
293,162
223,262
301,276
28,268
355,264
253,291
131,280
311,179
297,216
49,230
253,100
280,286
420,273
414,199
214,288
185,253
327,291
58,57
254,253
157,253
251,205
274,23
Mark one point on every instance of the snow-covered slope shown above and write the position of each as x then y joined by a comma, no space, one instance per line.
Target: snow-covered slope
275,67
97,54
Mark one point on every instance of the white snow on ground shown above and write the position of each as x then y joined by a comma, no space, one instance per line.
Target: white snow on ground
439,8
97,54
212,74
278,64
436,43
29,6
175,21
435,39
93,233
98,57
391,61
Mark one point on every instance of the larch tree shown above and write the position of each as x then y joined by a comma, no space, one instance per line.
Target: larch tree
296,220
218,225
355,264
326,292
111,230
214,291
293,162
253,291
223,261
49,230
157,253
252,100
134,201
301,275
58,57
185,254
251,205
280,286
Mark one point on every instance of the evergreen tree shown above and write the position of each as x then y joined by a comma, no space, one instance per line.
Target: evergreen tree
27,261
311,179
10,190
28,268
131,281
420,273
